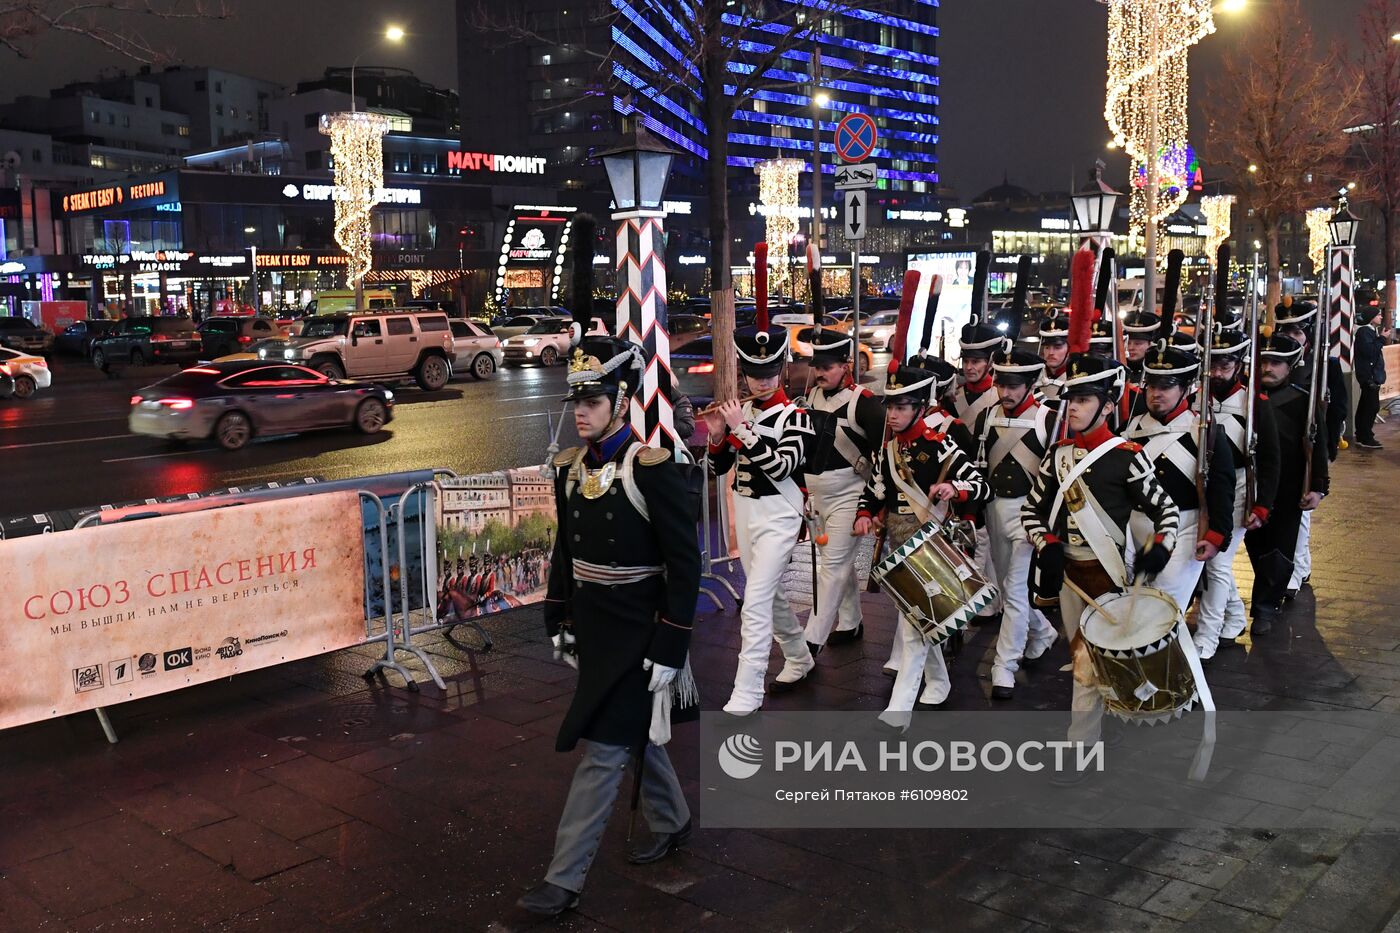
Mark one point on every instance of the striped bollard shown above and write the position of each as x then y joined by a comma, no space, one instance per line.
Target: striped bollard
641,318
1340,305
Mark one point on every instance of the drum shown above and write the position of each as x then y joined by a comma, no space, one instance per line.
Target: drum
1141,667
935,585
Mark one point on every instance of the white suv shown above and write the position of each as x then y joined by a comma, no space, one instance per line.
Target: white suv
392,344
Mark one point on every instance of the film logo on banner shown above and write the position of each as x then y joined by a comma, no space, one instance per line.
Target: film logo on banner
128,610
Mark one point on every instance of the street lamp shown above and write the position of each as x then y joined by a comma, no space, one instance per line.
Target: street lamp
1094,206
1343,225
638,170
392,34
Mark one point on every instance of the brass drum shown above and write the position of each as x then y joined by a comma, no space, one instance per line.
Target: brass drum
934,584
1138,660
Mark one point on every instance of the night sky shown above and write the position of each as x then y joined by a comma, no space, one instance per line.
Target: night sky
1022,80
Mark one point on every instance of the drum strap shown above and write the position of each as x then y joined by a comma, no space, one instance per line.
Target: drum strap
1089,518
1067,479
923,508
1010,432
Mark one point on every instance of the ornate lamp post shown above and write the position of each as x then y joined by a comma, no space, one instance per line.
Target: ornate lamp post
638,170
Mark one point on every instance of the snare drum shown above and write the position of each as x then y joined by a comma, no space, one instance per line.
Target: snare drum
934,584
1141,668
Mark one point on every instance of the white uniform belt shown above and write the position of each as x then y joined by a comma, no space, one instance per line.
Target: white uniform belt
609,575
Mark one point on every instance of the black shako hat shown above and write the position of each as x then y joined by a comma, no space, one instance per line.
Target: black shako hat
762,351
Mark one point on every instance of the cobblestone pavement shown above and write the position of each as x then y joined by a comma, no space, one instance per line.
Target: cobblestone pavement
302,798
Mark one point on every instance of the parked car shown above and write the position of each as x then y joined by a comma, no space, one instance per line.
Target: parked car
7,385
694,368
29,371
231,403
391,345
142,340
224,335
20,333
683,328
546,343
269,348
343,300
478,350
77,337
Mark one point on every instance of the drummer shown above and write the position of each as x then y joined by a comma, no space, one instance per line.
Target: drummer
1077,517
919,474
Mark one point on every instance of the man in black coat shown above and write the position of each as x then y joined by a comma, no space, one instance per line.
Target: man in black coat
1370,375
623,583
1300,490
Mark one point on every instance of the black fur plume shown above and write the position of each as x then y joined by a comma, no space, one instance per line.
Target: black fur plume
1170,293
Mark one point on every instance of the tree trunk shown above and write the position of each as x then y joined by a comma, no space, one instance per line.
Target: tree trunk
1273,273
1388,261
717,120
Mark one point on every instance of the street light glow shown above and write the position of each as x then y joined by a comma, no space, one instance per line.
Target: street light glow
821,99
1253,167
1395,37
394,33
1233,6
250,229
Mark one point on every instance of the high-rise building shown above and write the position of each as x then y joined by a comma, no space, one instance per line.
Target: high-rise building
539,94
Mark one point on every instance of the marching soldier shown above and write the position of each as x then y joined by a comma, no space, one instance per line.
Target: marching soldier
919,474
1139,329
837,466
1101,342
1087,488
975,396
1221,612
1170,435
1302,322
1272,546
623,583
1013,440
1054,351
764,441
941,414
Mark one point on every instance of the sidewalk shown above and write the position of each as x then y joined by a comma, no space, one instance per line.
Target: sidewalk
303,798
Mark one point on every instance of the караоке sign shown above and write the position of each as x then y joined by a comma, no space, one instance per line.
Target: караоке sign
103,615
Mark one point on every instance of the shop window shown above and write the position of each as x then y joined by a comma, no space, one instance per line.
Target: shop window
184,131
95,116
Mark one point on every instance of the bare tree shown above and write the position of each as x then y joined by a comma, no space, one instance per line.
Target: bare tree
1275,120
723,43
109,23
1377,143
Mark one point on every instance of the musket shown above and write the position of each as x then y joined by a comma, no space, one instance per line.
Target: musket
1316,392
1251,477
1205,439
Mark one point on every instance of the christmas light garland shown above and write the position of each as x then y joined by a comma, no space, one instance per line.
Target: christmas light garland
777,188
1319,235
357,152
1147,79
1217,208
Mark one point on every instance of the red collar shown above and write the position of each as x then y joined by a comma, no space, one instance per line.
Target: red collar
1222,396
912,433
777,398
1055,374
1094,438
980,386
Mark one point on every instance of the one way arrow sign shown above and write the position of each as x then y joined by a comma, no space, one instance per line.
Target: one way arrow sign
854,217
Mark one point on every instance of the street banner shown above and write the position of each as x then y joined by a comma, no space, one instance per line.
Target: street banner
495,535
122,611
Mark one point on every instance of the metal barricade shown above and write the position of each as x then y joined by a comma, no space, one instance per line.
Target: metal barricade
708,533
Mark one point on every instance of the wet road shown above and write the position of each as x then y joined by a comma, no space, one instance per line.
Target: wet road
68,446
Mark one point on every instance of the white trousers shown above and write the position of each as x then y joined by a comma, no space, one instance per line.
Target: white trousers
767,530
1221,609
1178,579
836,496
919,663
1086,703
1302,554
983,559
1011,551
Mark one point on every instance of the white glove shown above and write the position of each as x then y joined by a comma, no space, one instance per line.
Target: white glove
661,675
564,648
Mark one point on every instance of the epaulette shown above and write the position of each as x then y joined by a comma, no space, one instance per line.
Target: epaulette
866,392
566,457
1130,446
651,456
933,434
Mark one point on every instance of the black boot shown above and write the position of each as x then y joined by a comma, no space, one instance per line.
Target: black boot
839,637
660,846
1264,618
549,900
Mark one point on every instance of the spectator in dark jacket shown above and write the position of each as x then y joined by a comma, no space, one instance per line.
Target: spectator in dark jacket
1370,375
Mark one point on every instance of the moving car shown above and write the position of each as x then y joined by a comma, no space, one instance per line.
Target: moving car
224,335
77,337
546,343
391,345
20,333
517,324
694,368
29,371
877,329
142,340
271,348
231,403
683,328
478,350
